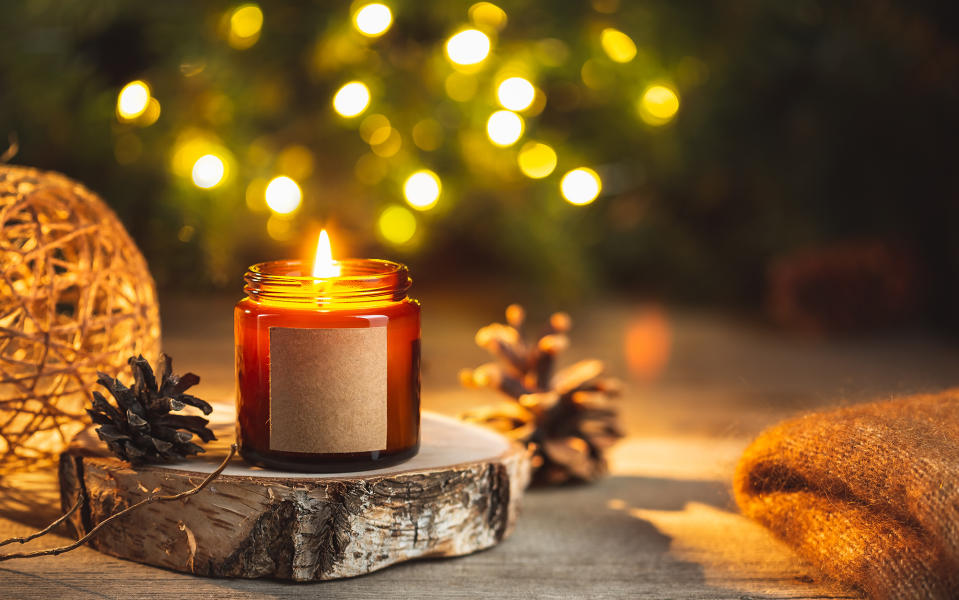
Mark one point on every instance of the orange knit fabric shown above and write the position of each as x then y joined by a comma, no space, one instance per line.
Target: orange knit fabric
869,493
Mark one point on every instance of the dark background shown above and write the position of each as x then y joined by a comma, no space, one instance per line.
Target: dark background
811,170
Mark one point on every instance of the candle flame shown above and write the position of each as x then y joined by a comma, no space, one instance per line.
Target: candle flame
324,265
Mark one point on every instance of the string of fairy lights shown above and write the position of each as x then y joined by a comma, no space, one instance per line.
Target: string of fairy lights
207,164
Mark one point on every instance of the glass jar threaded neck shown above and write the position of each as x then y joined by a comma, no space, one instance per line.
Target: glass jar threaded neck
361,280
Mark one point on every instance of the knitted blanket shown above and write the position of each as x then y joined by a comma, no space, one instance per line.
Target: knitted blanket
869,493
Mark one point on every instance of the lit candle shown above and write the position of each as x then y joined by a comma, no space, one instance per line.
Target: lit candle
327,364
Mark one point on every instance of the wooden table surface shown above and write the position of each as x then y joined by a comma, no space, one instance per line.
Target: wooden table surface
699,386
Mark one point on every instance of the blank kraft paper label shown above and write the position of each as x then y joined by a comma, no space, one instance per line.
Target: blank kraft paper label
327,390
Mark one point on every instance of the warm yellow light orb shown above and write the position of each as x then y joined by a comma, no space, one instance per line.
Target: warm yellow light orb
422,189
504,128
283,195
391,143
296,161
246,21
468,47
375,129
351,99
487,14
280,227
428,134
658,105
208,171
617,45
151,114
516,93
536,160
373,20
133,100
397,225
580,186
460,86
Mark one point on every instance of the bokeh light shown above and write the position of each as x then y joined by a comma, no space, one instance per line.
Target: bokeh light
504,128
151,114
536,160
371,169
381,136
552,52
460,86
283,195
390,144
373,20
246,21
256,195
422,189
280,227
617,45
648,342
133,100
208,171
487,14
396,225
186,233
192,145
428,134
468,47
351,99
658,104
375,128
516,93
580,186
296,161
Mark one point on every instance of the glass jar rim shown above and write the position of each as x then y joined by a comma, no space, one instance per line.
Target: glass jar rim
362,280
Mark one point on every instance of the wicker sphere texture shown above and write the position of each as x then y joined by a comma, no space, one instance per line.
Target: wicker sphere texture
75,297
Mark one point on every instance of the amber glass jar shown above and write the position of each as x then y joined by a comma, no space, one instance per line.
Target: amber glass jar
328,370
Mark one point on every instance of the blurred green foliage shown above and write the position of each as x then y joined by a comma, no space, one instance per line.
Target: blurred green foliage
800,123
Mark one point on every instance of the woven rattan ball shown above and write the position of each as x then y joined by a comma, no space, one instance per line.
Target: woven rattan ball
75,297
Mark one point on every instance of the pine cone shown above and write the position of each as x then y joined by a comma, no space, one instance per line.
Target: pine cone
141,428
566,417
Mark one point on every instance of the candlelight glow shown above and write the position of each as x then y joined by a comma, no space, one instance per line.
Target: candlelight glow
373,20
323,264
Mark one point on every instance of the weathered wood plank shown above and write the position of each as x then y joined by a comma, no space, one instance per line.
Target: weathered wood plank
570,543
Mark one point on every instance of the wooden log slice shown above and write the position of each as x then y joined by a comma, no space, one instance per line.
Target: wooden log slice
460,494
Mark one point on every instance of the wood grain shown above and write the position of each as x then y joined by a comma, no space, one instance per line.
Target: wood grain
460,495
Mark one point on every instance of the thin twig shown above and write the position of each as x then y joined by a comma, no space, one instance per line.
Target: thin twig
51,526
12,149
152,499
